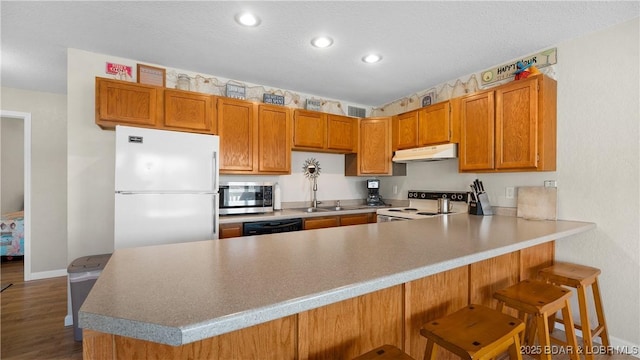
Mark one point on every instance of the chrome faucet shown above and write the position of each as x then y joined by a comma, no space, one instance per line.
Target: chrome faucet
314,203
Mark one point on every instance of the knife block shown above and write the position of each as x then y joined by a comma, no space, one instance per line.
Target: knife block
481,207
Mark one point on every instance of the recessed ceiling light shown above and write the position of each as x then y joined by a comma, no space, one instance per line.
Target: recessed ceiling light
247,19
322,41
372,58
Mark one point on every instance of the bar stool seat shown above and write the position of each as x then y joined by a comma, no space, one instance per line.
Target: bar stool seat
474,332
580,277
538,301
385,352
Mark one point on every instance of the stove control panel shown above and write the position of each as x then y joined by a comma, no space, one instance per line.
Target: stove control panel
435,195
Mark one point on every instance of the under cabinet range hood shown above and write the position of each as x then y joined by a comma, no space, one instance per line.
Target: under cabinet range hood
429,153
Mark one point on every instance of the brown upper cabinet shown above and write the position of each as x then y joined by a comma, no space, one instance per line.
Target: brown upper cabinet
374,150
321,132
510,128
190,111
254,139
274,139
126,103
426,126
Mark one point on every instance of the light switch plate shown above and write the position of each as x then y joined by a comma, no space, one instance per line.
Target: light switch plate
550,183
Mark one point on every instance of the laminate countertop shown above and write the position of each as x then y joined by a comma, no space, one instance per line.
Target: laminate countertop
181,293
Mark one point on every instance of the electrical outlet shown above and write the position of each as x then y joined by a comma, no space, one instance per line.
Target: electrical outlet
395,189
509,192
550,183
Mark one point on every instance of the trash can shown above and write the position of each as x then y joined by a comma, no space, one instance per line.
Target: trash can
83,273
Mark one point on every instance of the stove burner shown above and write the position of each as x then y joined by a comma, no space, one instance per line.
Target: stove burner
395,210
427,213
410,209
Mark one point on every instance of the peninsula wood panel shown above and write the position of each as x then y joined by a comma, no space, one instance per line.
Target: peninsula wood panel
274,140
271,340
351,327
189,111
488,276
535,258
430,298
236,128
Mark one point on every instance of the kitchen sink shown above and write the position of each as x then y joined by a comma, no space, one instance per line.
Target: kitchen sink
311,209
329,208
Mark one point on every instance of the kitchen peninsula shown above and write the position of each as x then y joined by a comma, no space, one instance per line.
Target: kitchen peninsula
329,293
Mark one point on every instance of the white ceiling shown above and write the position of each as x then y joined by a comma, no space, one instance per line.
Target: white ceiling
424,43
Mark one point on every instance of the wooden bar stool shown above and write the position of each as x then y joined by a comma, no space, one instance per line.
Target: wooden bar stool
580,277
540,300
474,332
385,352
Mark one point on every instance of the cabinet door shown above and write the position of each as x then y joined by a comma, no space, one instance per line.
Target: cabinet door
274,139
477,129
230,230
184,110
341,133
309,129
375,146
354,219
122,102
516,125
321,222
435,124
406,130
236,131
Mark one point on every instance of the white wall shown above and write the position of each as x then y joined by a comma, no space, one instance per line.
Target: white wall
12,165
597,172
48,174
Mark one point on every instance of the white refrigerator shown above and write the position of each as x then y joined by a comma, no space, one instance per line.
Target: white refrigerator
166,187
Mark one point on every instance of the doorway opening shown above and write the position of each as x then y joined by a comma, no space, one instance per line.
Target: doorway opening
26,118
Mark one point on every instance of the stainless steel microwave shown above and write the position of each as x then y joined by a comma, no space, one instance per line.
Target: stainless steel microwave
246,197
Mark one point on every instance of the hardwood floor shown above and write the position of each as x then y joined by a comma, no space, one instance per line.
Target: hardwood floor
32,320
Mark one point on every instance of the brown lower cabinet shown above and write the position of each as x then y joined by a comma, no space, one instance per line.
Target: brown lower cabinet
333,221
351,327
235,229
230,230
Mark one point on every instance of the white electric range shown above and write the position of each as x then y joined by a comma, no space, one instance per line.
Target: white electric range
424,204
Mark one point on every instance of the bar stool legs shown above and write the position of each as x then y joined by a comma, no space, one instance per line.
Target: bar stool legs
580,277
540,301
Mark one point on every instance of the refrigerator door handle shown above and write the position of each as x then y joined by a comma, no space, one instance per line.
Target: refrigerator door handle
216,209
216,171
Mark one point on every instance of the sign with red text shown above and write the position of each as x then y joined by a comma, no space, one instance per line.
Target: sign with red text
506,71
116,69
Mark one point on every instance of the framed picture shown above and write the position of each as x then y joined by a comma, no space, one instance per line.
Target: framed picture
151,75
315,105
429,99
236,91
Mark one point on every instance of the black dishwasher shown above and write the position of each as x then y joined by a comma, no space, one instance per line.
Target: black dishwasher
271,227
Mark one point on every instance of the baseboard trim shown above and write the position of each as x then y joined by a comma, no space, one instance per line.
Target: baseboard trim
68,320
48,274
